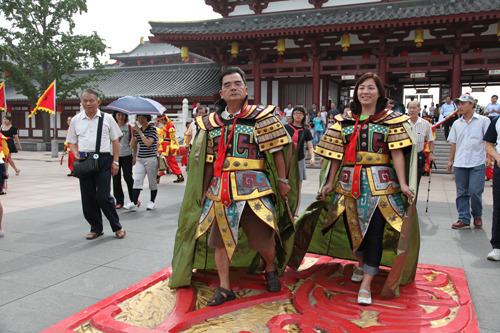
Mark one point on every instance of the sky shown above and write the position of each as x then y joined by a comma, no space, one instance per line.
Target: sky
122,23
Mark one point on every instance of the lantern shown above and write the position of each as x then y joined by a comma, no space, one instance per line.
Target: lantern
235,49
152,62
279,60
166,60
139,62
117,63
185,53
281,46
195,61
403,54
419,37
304,59
366,56
346,42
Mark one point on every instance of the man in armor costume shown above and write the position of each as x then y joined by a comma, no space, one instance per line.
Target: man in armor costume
240,175
170,146
370,155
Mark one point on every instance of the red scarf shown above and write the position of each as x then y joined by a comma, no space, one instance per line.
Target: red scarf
350,153
221,154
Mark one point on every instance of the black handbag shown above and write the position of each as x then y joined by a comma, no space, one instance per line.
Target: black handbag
90,165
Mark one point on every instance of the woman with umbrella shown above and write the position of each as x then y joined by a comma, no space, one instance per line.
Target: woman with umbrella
144,157
125,160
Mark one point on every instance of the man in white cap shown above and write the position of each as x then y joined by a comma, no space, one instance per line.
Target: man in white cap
468,161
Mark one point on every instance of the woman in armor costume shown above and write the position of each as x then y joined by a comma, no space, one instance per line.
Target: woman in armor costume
366,190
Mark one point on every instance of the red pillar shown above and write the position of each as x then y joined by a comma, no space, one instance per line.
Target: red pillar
382,67
256,82
324,94
316,80
456,74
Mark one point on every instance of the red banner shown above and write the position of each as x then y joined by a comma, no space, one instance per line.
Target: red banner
2,97
47,102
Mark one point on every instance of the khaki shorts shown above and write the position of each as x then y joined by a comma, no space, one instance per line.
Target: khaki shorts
260,235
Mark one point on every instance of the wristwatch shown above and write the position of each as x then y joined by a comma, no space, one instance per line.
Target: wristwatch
117,163
432,152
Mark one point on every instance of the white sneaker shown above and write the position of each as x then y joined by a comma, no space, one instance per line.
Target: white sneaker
2,233
494,255
151,205
130,206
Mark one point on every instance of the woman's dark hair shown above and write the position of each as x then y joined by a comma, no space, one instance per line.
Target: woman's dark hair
8,117
381,101
300,109
148,116
116,112
317,113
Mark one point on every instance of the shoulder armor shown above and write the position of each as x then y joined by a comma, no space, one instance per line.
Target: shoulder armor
209,122
390,117
257,111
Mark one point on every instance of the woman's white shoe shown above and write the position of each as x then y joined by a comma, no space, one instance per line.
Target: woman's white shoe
364,300
357,277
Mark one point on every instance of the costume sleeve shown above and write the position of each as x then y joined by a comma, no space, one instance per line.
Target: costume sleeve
397,137
270,133
491,134
331,144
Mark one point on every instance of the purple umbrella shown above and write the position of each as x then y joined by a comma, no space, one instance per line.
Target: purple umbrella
135,105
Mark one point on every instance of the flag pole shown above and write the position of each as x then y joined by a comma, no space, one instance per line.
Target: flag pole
55,150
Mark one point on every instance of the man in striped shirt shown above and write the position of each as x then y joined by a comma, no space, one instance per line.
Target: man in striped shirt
423,132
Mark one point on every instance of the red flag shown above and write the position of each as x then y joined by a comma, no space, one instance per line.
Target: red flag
2,97
47,101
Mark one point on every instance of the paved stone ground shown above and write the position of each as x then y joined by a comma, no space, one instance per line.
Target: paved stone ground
48,271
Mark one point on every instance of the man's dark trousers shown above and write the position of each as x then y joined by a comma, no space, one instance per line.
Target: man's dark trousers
447,125
96,196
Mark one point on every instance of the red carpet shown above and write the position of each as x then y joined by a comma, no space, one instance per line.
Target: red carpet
318,298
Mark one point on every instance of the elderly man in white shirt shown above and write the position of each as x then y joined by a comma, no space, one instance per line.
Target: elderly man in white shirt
96,189
423,132
469,162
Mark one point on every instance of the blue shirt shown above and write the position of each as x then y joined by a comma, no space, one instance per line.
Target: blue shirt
447,109
319,124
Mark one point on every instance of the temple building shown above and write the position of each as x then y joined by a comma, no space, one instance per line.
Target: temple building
304,51
156,71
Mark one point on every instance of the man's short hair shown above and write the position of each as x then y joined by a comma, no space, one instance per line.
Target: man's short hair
201,108
494,96
233,70
418,103
90,91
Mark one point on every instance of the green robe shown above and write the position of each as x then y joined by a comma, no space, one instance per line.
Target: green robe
400,250
190,253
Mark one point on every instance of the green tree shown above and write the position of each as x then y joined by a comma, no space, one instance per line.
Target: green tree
38,46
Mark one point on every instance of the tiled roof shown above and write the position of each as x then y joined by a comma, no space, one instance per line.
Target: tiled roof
183,80
147,50
332,17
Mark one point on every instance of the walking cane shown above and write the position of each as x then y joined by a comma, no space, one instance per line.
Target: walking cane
429,188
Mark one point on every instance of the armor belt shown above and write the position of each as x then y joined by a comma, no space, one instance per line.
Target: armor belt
236,164
368,158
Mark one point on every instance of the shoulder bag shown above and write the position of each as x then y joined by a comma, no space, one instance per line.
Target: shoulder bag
90,165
